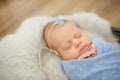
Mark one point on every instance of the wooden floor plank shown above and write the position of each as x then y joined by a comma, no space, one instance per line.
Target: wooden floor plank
13,12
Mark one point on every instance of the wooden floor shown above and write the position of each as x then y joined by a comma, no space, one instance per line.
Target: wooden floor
13,12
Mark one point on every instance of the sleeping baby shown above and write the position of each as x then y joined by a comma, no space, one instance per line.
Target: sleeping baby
83,58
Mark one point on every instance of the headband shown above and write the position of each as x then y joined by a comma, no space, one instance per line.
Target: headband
58,20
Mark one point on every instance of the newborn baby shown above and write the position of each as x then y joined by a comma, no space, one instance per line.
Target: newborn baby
68,40
83,58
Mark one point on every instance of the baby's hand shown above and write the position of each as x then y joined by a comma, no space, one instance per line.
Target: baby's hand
88,54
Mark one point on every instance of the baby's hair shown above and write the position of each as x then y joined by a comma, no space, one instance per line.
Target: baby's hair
58,20
49,46
44,32
49,26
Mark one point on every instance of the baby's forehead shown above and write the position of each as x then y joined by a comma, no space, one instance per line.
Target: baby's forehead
51,25
49,28
68,25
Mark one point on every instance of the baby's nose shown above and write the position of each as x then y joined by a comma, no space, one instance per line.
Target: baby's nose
77,44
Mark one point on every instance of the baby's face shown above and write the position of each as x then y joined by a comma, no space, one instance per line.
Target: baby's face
68,40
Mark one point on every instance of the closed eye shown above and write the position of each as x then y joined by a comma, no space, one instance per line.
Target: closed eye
68,45
77,35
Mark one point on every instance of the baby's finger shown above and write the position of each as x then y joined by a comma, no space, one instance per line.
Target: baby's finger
86,54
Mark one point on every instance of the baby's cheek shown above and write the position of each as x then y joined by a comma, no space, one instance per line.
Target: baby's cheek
69,56
74,54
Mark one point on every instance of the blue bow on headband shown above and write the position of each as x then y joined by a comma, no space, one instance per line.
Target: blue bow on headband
60,20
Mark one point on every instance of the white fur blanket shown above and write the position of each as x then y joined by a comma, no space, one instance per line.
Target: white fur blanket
19,51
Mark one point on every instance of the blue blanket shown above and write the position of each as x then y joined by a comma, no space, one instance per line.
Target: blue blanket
105,66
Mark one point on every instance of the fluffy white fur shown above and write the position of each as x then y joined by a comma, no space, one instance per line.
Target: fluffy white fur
19,51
